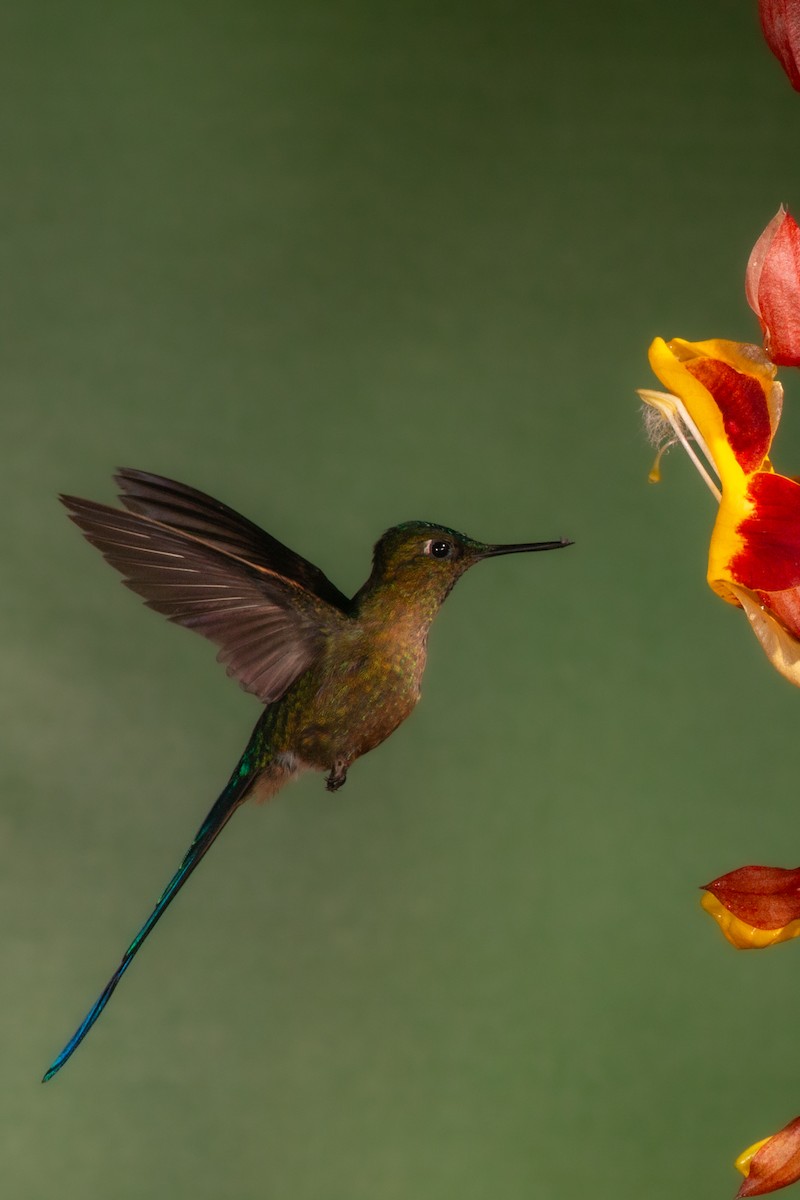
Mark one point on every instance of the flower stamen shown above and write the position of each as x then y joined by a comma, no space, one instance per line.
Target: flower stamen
684,428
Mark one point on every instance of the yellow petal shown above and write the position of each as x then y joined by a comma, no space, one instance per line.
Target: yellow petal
669,362
744,936
746,1157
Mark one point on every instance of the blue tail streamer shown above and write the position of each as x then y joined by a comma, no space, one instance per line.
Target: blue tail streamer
215,822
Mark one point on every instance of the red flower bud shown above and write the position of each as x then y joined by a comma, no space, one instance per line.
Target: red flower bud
772,285
767,897
756,906
780,21
771,1164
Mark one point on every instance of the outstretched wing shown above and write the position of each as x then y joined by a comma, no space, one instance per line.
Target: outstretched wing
269,628
210,521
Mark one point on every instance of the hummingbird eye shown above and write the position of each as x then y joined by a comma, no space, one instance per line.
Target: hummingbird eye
439,548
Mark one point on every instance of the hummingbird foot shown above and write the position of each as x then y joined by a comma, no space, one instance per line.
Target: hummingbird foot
337,776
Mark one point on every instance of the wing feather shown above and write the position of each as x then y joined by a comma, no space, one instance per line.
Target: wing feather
269,628
210,521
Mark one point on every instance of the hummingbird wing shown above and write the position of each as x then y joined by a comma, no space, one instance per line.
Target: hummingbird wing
269,628
211,521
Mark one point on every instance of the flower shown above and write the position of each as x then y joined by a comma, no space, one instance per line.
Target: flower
772,285
771,1163
780,21
724,398
756,906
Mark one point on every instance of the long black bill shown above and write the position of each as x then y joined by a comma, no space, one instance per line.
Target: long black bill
525,547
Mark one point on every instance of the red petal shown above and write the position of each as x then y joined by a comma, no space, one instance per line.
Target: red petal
776,1164
766,897
755,262
785,606
743,405
780,21
769,561
778,302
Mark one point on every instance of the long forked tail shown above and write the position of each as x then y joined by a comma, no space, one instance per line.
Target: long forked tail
215,822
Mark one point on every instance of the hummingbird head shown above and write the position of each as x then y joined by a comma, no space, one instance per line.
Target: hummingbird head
419,558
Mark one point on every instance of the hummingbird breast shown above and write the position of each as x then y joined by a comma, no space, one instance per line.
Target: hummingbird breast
366,685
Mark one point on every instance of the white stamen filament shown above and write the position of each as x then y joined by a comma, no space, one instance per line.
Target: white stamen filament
674,412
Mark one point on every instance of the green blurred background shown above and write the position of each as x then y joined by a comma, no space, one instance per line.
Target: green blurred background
344,265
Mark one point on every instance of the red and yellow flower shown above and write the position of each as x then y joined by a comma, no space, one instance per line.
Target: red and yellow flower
756,906
724,399
772,1163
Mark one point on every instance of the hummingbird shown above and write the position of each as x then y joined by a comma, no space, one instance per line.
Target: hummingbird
337,675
